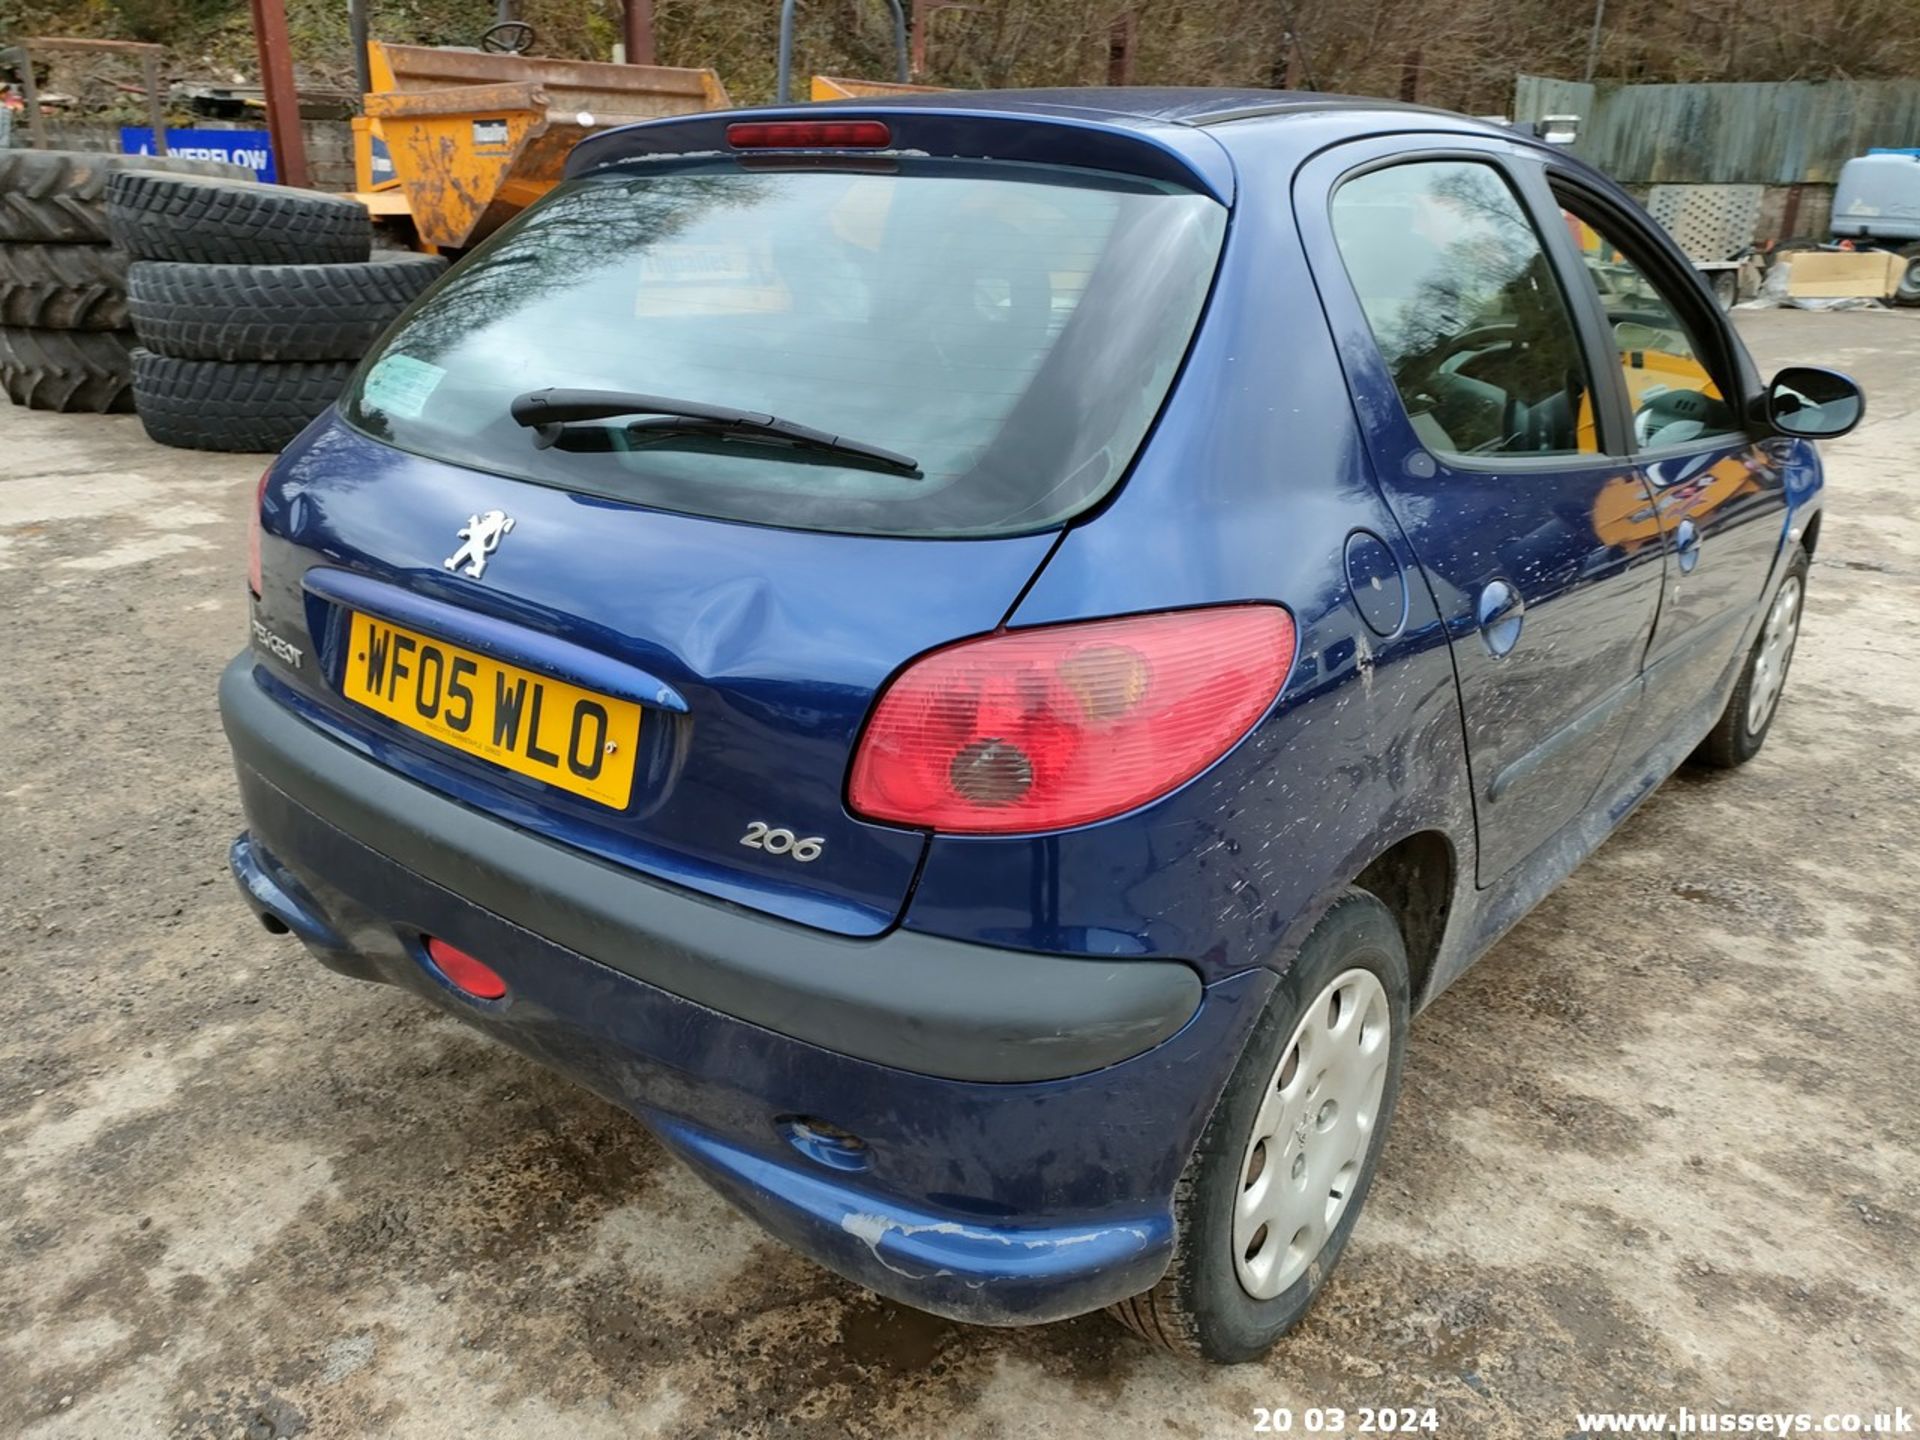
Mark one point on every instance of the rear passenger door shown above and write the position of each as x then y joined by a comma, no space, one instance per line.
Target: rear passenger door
1719,494
1493,417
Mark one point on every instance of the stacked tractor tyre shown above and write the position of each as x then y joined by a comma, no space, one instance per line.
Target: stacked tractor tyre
252,304
63,289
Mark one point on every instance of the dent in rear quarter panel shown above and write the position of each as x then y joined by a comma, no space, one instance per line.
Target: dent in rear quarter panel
776,638
1248,489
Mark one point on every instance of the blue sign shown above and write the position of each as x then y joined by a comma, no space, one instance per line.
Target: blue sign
381,162
236,147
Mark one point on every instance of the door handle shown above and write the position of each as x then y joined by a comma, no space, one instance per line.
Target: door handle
1686,546
1500,612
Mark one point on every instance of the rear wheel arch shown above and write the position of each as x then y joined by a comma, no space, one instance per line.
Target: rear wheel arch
1414,878
1204,1306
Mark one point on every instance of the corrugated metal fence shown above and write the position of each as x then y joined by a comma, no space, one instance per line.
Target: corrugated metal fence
1775,133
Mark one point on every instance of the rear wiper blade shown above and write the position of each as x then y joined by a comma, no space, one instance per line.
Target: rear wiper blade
550,411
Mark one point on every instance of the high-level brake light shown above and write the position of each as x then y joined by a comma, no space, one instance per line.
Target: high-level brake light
809,135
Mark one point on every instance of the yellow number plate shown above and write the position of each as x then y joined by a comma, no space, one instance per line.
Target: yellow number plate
531,724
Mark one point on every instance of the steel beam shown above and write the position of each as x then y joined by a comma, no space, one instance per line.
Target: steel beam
283,99
360,34
639,32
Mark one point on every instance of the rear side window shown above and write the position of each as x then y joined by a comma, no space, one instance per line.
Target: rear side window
1462,300
1013,329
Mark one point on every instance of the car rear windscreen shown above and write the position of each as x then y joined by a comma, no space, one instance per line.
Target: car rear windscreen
1011,328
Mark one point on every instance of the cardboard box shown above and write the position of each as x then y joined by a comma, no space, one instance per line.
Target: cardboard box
1843,274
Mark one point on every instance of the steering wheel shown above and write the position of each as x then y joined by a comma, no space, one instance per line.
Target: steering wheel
1652,319
509,37
1420,373
1467,345
1646,330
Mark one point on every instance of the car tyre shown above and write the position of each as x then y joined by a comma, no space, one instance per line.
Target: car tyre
274,312
234,222
1742,728
234,406
1206,1306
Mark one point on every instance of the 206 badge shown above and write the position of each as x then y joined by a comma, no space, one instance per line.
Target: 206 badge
482,534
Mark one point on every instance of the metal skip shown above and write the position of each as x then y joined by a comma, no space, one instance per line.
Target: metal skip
475,137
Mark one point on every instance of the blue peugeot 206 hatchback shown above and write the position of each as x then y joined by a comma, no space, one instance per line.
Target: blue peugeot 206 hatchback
971,660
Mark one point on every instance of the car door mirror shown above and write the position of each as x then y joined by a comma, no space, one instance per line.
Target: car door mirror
1813,403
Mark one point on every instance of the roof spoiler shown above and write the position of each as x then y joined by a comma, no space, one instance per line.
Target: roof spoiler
1174,154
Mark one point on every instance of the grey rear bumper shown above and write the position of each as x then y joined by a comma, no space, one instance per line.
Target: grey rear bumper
916,1002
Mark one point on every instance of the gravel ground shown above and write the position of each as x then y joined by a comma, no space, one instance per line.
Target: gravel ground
1660,1147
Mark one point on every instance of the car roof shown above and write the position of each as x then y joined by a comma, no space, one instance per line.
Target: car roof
1192,134
1195,105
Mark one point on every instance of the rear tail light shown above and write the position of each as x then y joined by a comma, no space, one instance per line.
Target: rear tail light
810,135
1062,725
253,534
